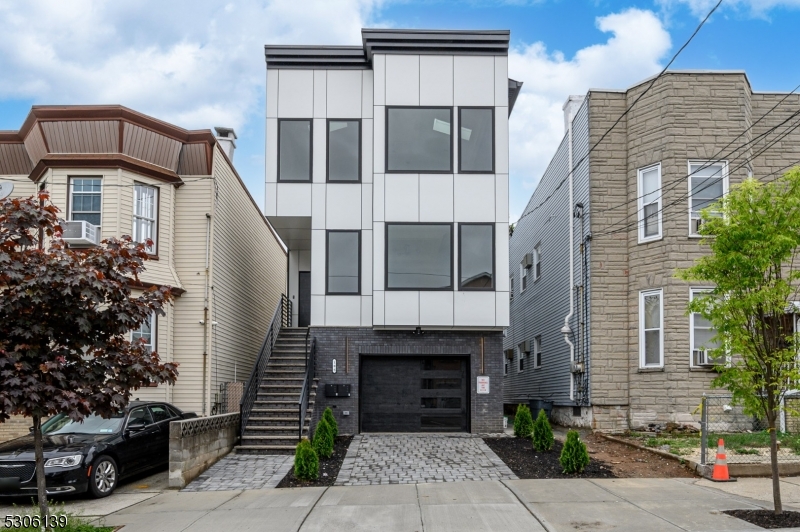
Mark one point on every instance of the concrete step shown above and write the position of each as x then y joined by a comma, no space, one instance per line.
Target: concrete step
264,449
278,410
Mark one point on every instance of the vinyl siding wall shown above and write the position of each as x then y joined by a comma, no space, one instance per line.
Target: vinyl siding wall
541,308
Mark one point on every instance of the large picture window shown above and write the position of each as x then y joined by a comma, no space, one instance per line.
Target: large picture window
650,203
85,199
344,150
344,262
294,149
651,329
419,256
476,140
476,256
145,214
419,139
708,182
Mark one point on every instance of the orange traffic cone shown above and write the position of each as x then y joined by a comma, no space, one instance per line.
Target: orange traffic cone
720,473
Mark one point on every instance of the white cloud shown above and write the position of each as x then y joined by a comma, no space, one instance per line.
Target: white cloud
635,50
756,8
193,63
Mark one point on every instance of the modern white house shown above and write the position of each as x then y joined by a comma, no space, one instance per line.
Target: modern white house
387,178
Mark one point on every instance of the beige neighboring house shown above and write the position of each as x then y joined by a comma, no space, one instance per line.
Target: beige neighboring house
125,173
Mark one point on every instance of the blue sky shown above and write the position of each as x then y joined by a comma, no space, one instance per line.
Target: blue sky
200,63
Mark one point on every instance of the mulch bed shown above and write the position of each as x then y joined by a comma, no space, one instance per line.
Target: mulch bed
525,462
328,467
767,518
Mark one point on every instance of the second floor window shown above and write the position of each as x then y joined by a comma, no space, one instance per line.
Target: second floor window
476,256
145,214
85,199
344,150
511,288
522,348
147,333
294,149
419,256
419,139
537,351
650,203
708,182
344,262
523,275
476,140
537,262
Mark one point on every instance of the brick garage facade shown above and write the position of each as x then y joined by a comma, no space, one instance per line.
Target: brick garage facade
486,410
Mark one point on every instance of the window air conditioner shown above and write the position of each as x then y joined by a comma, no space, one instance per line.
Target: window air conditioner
527,260
695,224
80,233
525,346
703,358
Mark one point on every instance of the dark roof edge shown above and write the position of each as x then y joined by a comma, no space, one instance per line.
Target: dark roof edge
514,87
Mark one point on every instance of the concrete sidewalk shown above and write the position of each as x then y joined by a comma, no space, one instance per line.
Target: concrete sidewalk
506,506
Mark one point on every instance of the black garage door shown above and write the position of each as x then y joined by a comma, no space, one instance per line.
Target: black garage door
414,394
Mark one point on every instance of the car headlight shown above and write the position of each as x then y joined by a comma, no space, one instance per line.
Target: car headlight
64,461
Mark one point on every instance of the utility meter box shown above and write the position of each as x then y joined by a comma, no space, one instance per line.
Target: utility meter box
337,390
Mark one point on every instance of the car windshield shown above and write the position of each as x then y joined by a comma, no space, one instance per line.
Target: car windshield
93,424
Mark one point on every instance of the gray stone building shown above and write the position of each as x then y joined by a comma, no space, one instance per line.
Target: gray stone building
605,336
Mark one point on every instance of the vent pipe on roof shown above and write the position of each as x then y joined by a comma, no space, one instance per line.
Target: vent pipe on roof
570,109
226,137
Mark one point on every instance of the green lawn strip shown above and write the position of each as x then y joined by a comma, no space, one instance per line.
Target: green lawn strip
737,442
73,522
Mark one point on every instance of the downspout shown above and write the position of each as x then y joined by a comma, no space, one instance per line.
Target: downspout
566,331
205,313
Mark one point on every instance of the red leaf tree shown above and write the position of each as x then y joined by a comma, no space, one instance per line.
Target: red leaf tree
65,319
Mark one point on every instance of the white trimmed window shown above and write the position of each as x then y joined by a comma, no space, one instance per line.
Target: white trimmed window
511,288
523,275
651,329
85,199
708,182
537,262
701,335
649,203
522,354
147,332
537,351
145,214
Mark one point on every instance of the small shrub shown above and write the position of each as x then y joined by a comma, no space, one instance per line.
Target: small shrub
542,433
523,422
306,461
328,416
574,456
323,439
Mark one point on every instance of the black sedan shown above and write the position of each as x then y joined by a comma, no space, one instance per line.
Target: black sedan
92,455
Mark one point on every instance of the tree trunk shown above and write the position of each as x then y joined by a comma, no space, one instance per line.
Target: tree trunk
773,455
41,483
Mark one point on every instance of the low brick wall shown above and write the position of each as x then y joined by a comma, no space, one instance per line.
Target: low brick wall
196,444
14,427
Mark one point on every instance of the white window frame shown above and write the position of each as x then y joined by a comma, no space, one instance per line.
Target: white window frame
510,288
537,262
523,277
521,359
71,201
692,292
642,205
137,187
725,184
642,295
153,319
537,351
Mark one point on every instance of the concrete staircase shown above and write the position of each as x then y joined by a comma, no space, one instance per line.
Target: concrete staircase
273,425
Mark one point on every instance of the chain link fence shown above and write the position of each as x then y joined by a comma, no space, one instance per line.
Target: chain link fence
746,437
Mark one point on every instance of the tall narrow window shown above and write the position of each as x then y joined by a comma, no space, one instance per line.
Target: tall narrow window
651,329
294,149
147,333
524,351
523,275
650,203
419,256
476,140
537,262
537,351
708,182
85,199
702,335
511,288
476,256
419,139
145,215
344,150
344,262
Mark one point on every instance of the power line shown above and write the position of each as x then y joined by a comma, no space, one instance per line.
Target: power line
624,114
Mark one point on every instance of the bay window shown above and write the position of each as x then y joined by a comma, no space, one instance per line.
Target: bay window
145,215
85,199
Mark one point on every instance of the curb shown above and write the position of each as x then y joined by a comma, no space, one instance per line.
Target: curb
695,467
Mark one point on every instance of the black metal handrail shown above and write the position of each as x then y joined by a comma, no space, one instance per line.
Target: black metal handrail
302,403
286,311
250,391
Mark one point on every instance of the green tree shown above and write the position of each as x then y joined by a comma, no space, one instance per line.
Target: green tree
65,318
574,456
306,461
328,416
754,236
542,433
523,422
323,439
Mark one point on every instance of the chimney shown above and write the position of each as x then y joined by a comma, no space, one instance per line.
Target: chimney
570,109
226,137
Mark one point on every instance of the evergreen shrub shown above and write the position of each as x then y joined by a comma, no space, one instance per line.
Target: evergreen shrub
306,461
523,422
542,433
328,416
574,456
323,439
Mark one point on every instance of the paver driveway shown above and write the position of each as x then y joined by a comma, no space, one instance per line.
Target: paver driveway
243,472
419,458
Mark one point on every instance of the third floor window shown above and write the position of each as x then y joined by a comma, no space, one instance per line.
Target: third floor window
476,141
344,150
419,139
294,149
85,199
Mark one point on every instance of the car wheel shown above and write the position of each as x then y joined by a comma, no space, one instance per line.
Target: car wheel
104,477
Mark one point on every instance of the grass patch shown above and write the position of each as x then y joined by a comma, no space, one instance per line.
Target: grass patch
678,445
61,520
